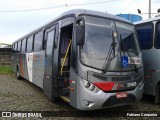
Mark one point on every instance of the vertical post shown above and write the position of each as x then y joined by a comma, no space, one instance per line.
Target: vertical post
149,13
130,17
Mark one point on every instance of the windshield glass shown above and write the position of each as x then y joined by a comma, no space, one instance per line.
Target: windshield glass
127,36
99,38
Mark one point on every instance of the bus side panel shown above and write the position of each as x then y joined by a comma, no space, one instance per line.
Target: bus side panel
22,65
38,68
25,67
147,72
73,84
29,58
14,61
34,67
48,80
151,63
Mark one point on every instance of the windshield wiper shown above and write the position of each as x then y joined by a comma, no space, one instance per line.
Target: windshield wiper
122,45
110,52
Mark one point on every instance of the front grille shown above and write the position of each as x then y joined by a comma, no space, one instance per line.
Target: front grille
101,77
113,78
94,77
111,101
120,79
123,90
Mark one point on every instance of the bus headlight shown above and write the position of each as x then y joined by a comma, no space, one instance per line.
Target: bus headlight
91,87
87,84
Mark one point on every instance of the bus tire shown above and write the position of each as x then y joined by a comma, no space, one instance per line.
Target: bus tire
54,99
157,94
17,73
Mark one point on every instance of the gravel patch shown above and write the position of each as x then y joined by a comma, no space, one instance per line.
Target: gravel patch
21,95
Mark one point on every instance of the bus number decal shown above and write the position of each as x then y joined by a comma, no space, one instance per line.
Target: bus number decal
132,84
133,60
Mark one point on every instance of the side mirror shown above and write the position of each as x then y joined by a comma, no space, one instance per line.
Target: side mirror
80,32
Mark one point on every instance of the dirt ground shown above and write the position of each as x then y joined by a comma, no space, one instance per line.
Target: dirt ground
21,95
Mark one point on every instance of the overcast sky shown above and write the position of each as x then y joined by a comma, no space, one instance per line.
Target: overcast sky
15,23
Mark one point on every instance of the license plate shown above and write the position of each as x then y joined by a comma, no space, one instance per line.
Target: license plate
121,95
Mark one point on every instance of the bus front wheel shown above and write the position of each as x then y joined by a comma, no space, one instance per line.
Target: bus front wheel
54,98
157,93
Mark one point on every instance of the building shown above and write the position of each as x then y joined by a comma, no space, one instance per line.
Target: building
4,45
131,17
5,54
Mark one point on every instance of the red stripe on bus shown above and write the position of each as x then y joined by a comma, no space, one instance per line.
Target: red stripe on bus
105,86
21,66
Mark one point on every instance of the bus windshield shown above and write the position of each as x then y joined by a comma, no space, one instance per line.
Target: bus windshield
127,36
98,40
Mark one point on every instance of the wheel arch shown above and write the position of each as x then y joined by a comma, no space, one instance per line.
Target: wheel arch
157,92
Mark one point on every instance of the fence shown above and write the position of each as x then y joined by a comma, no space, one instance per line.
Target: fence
5,56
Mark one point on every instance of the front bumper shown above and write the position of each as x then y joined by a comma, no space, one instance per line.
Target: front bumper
87,100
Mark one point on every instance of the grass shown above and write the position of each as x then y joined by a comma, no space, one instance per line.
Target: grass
6,69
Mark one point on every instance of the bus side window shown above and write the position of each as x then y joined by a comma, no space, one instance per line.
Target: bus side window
19,46
157,38
15,47
23,45
50,43
38,41
145,33
29,44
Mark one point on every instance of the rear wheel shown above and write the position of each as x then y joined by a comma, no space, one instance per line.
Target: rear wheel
54,99
17,73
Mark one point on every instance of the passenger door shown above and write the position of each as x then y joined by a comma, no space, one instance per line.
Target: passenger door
50,61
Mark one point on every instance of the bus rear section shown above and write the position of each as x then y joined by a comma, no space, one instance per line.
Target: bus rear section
28,58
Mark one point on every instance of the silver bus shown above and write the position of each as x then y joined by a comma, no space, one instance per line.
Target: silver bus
149,38
89,59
